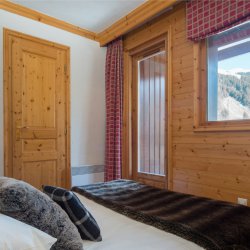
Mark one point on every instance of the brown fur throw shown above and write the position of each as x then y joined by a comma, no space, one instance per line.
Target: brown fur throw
209,223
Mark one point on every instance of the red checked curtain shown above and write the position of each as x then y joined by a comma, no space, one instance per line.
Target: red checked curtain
114,83
209,17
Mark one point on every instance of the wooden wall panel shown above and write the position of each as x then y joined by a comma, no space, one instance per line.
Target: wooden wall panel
210,164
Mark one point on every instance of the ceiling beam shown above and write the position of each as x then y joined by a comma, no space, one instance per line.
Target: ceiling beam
40,17
135,18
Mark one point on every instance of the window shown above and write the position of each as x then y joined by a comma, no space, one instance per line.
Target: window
224,78
151,114
149,109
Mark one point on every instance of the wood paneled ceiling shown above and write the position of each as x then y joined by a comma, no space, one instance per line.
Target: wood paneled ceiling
134,13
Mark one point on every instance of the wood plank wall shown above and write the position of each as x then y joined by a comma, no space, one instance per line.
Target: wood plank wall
210,164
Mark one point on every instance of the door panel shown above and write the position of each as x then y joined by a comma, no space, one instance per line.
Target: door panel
38,173
37,142
38,77
38,145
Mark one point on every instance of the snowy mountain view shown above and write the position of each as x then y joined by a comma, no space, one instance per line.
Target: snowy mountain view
233,94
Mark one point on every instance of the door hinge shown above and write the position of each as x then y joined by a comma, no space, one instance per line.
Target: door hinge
65,68
65,131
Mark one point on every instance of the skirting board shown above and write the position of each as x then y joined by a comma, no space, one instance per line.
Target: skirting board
88,169
85,175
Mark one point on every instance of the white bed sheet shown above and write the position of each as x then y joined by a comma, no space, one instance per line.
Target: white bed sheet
122,233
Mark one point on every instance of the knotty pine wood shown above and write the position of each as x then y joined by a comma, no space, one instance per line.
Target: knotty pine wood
136,17
36,115
213,164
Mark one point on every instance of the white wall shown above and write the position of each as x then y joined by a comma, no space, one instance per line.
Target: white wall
87,88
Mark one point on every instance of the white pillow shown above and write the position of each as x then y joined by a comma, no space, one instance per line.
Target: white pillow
16,235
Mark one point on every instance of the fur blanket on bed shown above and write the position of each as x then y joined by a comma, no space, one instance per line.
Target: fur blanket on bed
209,223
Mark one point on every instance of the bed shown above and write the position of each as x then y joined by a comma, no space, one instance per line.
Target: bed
207,223
119,215
122,233
118,233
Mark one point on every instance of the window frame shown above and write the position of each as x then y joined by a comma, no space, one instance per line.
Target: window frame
201,122
131,48
145,54
146,49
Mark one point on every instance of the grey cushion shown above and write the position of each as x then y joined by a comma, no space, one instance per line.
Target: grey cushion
29,205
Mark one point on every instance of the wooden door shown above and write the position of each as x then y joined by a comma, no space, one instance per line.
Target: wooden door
36,110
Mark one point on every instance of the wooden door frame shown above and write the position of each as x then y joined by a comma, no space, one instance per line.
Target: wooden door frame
8,129
127,144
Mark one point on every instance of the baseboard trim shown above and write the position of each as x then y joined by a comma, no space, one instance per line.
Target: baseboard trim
87,169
